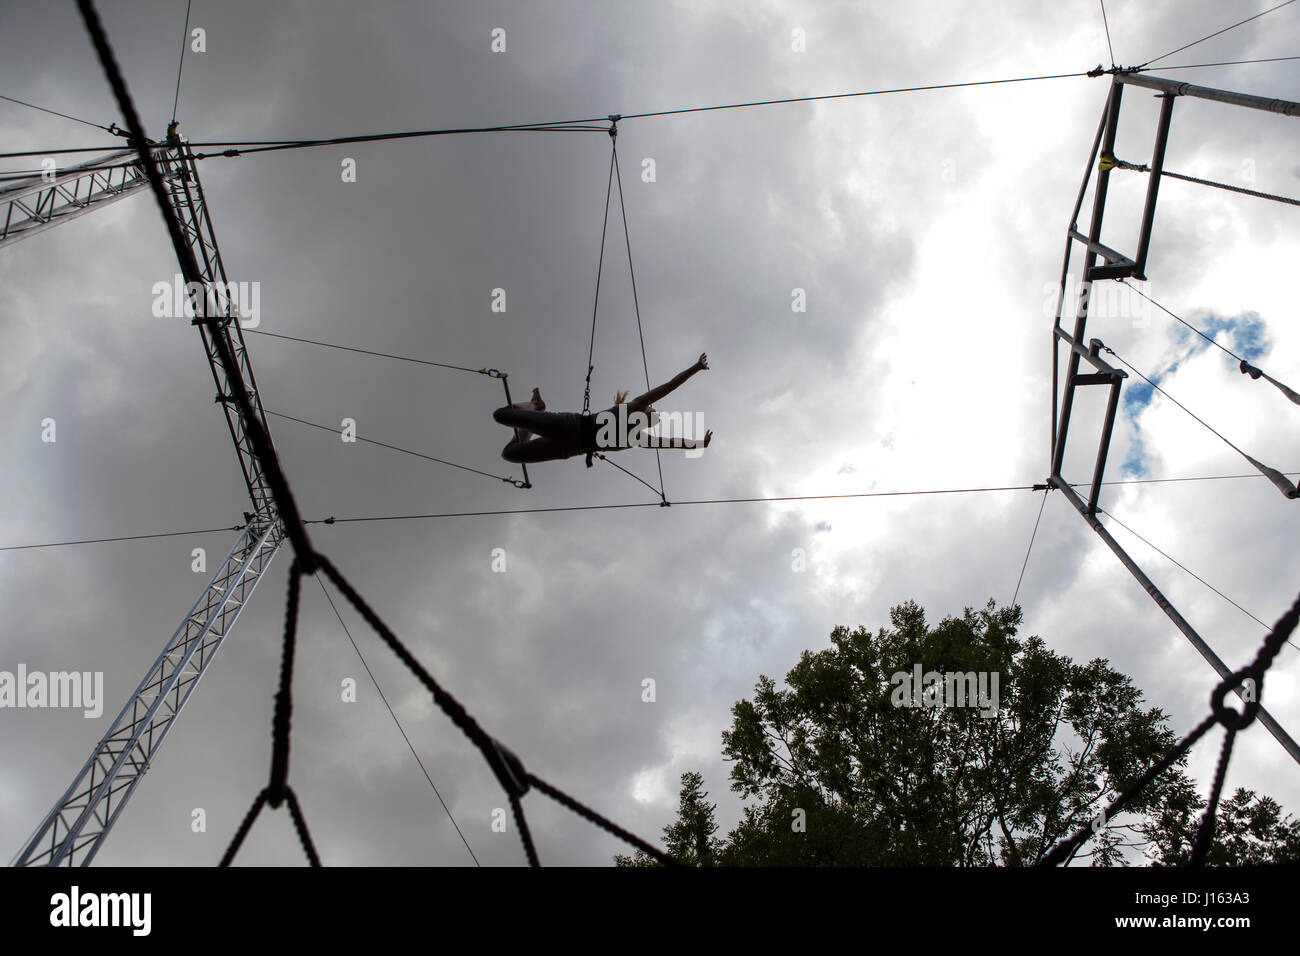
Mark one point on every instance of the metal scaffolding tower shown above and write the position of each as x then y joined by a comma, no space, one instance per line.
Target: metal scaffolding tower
73,831
1116,265
35,204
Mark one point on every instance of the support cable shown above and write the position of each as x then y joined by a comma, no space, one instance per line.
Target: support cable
1246,367
663,498
129,537
1188,570
387,355
600,266
490,372
1030,549
1199,66
1272,197
729,501
243,147
840,96
230,152
33,106
115,147
1109,161
1272,474
562,126
1163,481
627,472
405,451
673,112
374,680
240,527
185,35
1109,48
655,504
1215,33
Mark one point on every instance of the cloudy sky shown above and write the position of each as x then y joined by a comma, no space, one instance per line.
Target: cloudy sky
926,232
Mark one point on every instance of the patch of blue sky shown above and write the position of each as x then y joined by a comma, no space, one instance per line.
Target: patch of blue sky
1251,337
1135,462
1247,335
1137,397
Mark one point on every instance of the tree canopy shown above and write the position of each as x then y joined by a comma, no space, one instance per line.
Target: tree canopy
958,744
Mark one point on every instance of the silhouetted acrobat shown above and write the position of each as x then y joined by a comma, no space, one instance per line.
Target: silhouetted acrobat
566,434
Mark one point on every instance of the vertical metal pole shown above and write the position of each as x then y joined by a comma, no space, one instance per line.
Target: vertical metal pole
1153,185
1089,260
1103,449
1065,273
505,382
1056,345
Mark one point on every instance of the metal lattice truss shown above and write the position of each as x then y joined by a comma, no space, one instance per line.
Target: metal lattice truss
186,193
32,205
74,830
1116,265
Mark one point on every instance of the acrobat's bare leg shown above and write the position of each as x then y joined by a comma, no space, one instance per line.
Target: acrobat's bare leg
535,404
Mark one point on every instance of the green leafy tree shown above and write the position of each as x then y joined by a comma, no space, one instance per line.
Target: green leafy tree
841,767
1248,829
691,839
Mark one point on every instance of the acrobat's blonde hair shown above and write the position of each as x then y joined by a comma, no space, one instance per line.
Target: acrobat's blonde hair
621,397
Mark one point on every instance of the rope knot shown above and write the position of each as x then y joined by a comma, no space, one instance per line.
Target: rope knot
1251,682
510,772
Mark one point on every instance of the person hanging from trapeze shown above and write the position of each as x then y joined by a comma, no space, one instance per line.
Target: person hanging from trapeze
566,434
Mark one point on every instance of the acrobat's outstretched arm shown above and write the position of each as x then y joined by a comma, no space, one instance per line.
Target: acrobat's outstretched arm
642,402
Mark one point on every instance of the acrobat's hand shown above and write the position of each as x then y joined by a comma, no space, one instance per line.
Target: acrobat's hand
703,363
708,437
